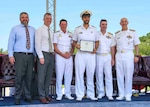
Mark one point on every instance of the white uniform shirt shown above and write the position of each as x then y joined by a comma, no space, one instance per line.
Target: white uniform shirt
126,40
81,33
106,42
63,41
42,40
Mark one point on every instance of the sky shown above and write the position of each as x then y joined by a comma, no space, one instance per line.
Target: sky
137,12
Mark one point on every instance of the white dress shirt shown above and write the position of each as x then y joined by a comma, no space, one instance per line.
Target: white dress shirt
42,40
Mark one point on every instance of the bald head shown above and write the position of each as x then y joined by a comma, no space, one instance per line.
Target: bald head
124,23
124,19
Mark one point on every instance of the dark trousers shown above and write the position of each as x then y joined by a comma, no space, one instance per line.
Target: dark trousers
45,72
24,68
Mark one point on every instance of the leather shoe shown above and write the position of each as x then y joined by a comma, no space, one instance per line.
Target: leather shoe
28,100
17,102
49,99
44,101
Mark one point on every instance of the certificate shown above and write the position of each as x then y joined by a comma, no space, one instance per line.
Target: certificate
86,45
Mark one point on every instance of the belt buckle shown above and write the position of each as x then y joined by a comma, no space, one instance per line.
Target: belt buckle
104,54
122,51
26,53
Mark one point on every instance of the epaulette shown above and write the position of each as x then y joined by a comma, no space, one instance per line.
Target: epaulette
57,31
117,32
93,26
69,32
110,33
78,26
132,30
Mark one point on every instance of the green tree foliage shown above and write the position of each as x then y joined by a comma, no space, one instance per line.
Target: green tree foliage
144,47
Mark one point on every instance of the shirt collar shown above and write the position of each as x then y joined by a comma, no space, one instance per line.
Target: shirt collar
87,28
45,26
22,25
63,32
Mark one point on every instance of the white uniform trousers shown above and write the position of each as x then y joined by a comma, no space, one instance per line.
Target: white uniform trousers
84,61
124,69
64,67
103,66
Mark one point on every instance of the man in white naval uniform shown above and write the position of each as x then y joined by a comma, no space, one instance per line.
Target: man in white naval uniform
126,41
64,63
85,60
104,61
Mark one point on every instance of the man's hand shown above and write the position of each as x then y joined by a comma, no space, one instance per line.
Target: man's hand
94,51
77,46
112,62
66,55
12,60
41,60
136,59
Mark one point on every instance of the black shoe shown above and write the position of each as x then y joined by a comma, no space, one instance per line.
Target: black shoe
17,102
28,100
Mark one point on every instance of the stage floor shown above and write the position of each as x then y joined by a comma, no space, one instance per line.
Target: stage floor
140,101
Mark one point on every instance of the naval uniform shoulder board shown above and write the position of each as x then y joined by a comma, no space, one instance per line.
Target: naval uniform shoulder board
132,30
110,33
93,26
117,32
78,26
57,31
69,32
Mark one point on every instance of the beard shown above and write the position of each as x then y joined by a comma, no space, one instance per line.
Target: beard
86,22
24,22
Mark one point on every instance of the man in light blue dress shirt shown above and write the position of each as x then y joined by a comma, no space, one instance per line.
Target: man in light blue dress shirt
22,57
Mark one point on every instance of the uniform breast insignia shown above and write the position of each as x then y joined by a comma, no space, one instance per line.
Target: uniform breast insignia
91,31
80,32
118,38
70,36
129,36
59,36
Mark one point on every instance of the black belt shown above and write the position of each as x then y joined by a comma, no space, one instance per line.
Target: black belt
48,52
25,53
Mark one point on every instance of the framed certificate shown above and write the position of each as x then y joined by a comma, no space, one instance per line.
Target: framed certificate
86,45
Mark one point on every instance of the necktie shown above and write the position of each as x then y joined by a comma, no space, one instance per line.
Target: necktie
27,38
50,42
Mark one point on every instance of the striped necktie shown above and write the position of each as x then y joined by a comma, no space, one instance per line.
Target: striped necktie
27,38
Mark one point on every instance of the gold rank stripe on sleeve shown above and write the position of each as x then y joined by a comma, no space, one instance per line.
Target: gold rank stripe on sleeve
117,32
132,30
